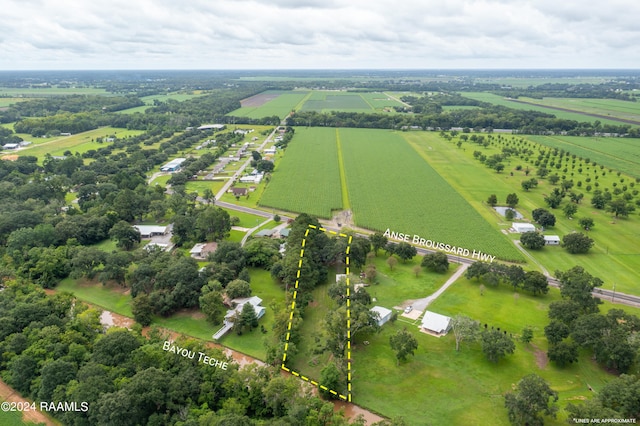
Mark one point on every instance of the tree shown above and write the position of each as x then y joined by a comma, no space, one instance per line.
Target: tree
554,199
555,331
512,200
577,285
492,200
586,223
436,262
496,344
405,251
126,236
212,224
332,378
620,207
529,184
264,166
464,329
621,395
404,344
370,272
378,241
565,310
536,282
544,218
246,319
392,262
237,289
577,243
527,334
569,210
532,399
532,240
212,306
563,353
142,309
599,199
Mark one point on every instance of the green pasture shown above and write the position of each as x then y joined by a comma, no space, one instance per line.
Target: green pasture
247,220
523,82
621,154
80,142
500,100
5,102
12,418
308,178
280,106
609,107
236,236
200,186
392,187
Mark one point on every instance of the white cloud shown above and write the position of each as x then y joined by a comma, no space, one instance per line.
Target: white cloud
60,34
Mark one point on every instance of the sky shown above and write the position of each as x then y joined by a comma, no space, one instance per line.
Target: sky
318,34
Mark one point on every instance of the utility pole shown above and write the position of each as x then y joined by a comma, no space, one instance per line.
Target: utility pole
614,293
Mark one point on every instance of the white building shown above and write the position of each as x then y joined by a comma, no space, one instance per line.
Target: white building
237,310
148,231
552,240
383,314
436,324
523,227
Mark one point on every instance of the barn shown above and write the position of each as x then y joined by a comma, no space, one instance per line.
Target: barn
523,227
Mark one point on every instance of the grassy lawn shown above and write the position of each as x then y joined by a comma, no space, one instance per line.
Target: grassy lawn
12,418
236,236
110,297
400,284
427,388
201,186
107,245
247,220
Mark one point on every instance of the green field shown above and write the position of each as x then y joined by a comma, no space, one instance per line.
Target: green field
12,418
609,107
621,154
500,100
391,186
81,142
325,101
308,177
281,106
41,92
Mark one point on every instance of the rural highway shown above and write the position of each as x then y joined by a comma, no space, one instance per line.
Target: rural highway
614,297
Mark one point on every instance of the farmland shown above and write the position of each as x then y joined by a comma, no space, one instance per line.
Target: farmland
325,101
500,100
279,103
617,153
609,107
391,187
308,178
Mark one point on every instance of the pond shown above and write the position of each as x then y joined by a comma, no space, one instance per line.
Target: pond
503,210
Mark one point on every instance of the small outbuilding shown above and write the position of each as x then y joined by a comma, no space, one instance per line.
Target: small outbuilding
436,324
265,233
523,227
552,240
383,315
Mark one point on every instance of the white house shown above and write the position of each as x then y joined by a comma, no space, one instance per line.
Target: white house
236,310
148,231
383,314
436,324
552,240
523,227
270,151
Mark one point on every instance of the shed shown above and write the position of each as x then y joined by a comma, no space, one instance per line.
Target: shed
285,232
552,240
383,314
11,146
265,233
197,250
523,227
435,323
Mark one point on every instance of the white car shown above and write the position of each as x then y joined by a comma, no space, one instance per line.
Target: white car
408,309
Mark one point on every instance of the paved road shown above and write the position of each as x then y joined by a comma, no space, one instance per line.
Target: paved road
617,297
238,173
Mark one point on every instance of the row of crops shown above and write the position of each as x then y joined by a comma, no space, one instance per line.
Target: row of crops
391,186
308,177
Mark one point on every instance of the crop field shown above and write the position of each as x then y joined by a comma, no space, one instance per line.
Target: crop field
41,92
308,177
499,100
391,186
148,101
325,101
281,105
621,154
610,107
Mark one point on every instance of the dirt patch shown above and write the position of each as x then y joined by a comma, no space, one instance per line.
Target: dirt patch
541,357
110,285
10,395
12,157
343,218
258,100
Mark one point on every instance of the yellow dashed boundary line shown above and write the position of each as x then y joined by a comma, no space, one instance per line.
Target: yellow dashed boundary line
346,397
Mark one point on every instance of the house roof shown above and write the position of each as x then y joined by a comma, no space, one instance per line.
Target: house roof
435,322
285,232
197,248
151,229
521,226
383,312
265,233
239,191
551,238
